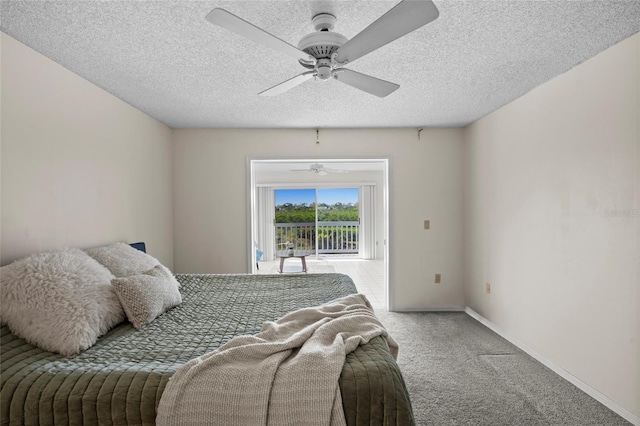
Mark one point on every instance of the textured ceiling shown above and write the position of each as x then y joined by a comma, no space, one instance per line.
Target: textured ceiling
165,59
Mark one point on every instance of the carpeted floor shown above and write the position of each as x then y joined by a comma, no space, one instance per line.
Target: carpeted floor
459,372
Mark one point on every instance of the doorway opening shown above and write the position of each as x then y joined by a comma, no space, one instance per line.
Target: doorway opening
353,237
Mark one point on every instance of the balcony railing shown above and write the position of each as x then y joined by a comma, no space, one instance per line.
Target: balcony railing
333,237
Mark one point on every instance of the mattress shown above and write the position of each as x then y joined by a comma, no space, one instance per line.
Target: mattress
121,378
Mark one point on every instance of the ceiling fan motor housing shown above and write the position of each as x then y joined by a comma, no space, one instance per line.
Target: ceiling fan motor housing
324,42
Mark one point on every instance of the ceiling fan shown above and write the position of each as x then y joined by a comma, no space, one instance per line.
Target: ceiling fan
325,53
319,169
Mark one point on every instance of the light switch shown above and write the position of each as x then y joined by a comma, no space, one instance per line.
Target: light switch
427,224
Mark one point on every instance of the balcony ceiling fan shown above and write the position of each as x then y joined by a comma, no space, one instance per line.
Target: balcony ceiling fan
319,169
324,53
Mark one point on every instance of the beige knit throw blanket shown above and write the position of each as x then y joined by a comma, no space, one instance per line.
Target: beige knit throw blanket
285,375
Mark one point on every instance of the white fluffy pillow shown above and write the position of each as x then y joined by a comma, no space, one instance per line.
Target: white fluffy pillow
123,260
61,301
144,297
163,271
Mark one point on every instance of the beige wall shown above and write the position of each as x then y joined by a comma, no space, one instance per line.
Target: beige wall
210,200
552,196
80,167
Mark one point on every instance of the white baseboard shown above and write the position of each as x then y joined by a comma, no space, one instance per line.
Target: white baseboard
601,398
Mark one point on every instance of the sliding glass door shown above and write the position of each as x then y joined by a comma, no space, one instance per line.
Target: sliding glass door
325,221
295,219
338,220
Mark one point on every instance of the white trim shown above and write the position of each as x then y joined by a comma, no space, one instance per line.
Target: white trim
601,398
314,159
388,218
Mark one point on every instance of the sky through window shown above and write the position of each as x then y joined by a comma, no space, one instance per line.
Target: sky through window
307,196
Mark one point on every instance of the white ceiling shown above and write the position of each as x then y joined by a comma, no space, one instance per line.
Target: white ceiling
165,59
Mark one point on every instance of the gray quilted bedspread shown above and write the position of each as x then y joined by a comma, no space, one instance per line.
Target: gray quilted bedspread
121,378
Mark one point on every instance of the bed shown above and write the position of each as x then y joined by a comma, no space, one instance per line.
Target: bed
120,379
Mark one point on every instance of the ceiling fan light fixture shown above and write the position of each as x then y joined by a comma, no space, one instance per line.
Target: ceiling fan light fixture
324,69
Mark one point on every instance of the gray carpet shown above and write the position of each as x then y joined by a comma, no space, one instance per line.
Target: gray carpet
459,372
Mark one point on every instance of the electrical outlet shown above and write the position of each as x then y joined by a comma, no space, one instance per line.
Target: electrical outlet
427,224
438,278
487,287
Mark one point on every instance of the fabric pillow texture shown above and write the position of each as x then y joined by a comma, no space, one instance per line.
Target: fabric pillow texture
60,301
146,296
169,275
123,260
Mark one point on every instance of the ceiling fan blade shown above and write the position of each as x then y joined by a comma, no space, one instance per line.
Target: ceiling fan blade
239,26
289,84
406,16
375,86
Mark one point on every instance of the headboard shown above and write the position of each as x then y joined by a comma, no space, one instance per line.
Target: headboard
139,246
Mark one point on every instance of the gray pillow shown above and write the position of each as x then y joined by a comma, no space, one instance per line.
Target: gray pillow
122,259
60,301
146,296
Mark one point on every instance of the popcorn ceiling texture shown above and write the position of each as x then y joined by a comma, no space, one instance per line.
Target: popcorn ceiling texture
165,59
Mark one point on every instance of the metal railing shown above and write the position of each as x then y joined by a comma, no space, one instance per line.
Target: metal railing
333,237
